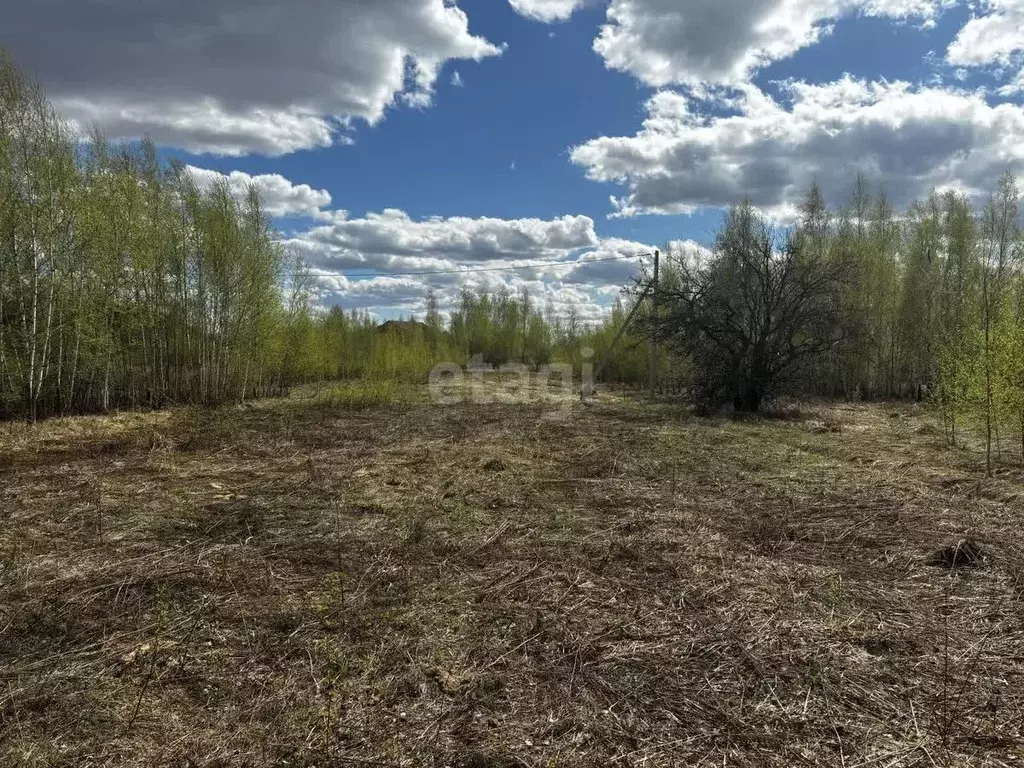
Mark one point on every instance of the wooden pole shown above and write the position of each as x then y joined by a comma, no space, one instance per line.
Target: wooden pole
585,392
654,343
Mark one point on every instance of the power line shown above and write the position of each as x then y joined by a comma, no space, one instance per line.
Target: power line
535,265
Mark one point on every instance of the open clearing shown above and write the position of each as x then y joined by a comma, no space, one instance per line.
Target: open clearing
296,583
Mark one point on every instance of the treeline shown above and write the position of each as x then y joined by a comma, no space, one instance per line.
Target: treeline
932,304
863,302
484,328
500,328
122,283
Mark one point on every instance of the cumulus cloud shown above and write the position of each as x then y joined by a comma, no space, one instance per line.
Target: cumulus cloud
385,296
908,138
602,267
280,196
204,126
392,241
996,37
381,296
667,42
232,76
385,261
546,10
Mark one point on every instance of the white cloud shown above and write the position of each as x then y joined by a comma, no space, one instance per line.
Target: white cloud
393,241
908,138
668,42
366,262
386,296
995,37
603,267
546,10
457,79
279,195
383,296
204,126
231,77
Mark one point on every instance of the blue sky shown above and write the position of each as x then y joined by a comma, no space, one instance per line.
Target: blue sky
421,135
546,93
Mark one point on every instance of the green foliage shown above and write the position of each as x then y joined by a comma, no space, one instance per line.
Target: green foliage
122,284
962,321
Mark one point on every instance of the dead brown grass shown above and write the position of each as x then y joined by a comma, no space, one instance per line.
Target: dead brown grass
305,584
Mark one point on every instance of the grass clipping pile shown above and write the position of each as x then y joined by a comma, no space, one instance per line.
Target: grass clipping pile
301,584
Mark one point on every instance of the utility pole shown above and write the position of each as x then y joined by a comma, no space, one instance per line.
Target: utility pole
588,388
654,343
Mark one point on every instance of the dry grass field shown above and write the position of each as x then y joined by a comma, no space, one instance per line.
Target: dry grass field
336,581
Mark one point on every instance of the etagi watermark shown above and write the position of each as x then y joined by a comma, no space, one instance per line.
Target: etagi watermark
555,384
